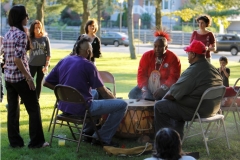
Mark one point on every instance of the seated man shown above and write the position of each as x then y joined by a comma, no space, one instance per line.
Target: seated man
180,103
78,72
158,70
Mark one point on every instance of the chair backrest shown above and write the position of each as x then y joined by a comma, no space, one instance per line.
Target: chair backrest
235,86
68,94
210,101
107,77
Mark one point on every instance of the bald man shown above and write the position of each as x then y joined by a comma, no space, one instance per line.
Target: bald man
78,72
158,70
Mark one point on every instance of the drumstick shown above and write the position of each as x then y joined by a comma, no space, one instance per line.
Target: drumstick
137,100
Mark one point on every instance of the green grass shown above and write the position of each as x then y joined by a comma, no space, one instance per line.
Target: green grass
124,69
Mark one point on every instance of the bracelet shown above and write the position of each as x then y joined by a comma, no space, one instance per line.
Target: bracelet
29,79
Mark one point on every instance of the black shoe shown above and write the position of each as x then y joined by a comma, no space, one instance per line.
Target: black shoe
97,142
86,139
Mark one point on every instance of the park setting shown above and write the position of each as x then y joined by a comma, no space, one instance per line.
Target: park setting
168,39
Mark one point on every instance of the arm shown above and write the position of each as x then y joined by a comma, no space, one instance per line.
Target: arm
97,49
226,71
192,37
48,85
48,50
142,76
106,94
212,46
174,70
21,67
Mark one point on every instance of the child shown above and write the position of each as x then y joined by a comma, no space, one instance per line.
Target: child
225,72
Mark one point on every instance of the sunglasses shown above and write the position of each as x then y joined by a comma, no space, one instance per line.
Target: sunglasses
27,16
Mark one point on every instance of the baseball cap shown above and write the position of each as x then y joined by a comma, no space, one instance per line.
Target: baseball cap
196,47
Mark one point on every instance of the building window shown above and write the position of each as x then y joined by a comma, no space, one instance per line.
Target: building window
165,4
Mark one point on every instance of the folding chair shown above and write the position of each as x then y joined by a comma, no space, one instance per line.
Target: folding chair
107,77
71,95
213,95
234,107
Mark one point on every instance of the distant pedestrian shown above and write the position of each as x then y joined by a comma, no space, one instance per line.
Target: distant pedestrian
19,82
225,72
91,28
39,56
204,35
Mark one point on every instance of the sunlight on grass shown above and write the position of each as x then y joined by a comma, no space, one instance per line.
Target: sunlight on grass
125,71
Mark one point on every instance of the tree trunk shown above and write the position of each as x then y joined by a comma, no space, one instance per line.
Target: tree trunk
131,30
99,9
85,16
40,11
158,15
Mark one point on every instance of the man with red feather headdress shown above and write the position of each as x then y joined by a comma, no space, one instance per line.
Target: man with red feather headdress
158,70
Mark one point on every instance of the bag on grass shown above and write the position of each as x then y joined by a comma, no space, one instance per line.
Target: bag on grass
135,151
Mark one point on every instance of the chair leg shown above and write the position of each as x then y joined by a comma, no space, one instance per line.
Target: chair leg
225,131
53,129
54,110
235,119
69,126
204,138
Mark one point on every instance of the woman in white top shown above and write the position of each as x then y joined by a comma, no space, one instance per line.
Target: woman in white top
167,146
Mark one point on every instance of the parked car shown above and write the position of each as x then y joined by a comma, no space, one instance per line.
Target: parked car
114,38
228,42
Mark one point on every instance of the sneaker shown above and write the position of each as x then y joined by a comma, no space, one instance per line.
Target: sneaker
97,142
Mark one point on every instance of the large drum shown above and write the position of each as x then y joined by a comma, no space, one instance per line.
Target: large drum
138,119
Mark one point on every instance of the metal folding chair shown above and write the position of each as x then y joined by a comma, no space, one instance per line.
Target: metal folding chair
234,107
107,77
213,95
71,95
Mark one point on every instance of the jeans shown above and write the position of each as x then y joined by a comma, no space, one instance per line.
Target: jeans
39,78
116,109
14,90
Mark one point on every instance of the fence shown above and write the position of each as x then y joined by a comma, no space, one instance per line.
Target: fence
146,36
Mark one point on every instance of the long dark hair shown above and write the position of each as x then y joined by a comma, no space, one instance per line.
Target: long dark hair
16,15
31,30
168,144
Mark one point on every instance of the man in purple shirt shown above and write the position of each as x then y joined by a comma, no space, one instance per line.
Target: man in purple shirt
78,72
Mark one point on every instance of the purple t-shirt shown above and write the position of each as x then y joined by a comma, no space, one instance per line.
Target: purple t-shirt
77,72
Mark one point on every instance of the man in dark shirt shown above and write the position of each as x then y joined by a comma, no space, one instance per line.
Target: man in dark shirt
180,103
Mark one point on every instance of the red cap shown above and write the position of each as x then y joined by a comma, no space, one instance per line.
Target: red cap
196,47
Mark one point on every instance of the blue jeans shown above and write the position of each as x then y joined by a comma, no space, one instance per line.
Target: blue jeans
116,109
136,93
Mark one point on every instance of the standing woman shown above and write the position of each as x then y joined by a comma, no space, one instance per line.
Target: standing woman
91,28
19,82
204,35
39,55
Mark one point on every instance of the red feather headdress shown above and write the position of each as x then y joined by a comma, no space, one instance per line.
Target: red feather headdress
160,33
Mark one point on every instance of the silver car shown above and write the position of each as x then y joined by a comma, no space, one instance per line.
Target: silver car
114,38
228,42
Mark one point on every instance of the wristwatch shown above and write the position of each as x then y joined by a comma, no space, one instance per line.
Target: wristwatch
164,87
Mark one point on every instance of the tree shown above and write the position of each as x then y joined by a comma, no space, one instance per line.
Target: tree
40,10
158,4
85,15
131,30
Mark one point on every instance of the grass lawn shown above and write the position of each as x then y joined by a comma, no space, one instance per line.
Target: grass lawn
124,69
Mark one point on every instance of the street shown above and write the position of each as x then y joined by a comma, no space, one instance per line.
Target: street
140,49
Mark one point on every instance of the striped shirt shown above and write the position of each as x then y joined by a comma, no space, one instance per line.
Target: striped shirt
14,46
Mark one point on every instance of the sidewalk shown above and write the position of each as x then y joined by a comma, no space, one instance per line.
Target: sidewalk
70,42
